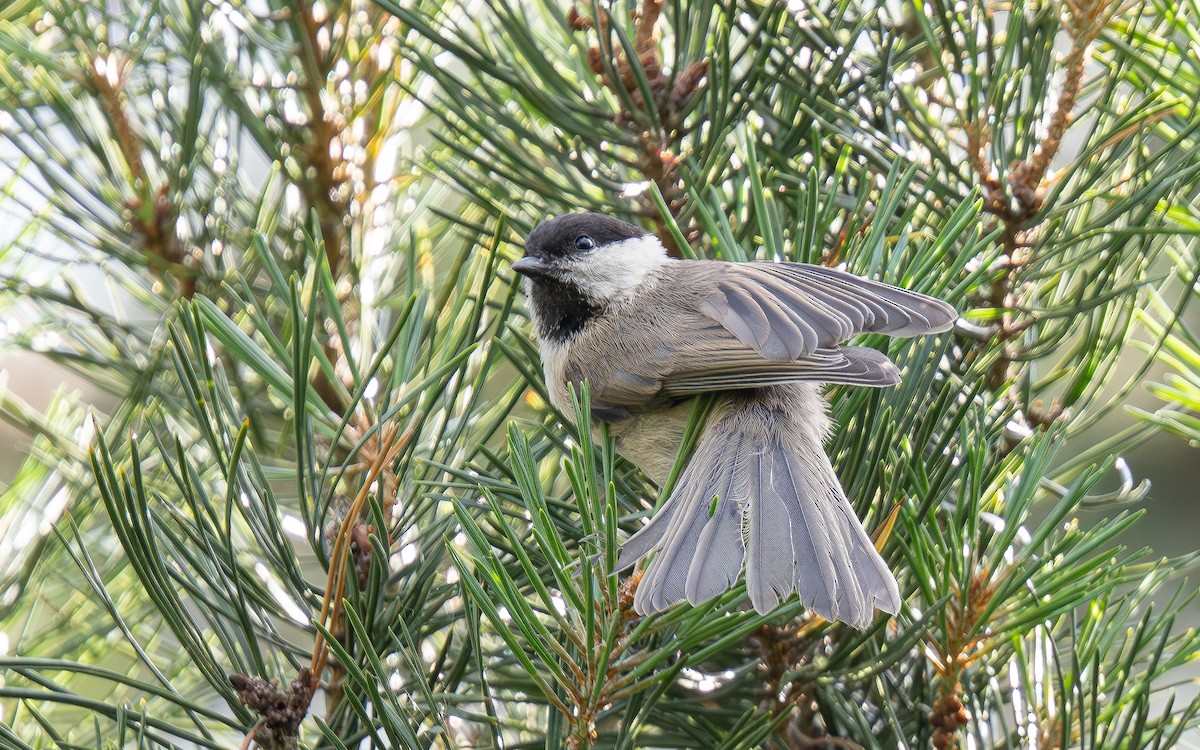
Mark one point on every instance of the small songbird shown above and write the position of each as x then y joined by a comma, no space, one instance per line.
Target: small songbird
650,333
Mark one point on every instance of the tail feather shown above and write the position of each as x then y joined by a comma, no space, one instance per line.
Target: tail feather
678,547
717,560
649,537
684,537
873,573
771,561
769,499
815,545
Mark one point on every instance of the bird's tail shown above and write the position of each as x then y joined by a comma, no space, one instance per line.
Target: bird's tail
759,489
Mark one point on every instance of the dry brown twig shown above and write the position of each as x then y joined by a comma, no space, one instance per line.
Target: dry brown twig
388,444
282,713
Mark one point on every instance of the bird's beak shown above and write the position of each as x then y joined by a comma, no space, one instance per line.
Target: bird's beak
530,266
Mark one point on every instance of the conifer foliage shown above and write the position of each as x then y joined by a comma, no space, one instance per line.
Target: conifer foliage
324,502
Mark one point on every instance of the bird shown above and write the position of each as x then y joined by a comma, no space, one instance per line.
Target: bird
650,334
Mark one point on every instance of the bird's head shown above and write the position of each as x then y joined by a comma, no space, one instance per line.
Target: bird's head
601,258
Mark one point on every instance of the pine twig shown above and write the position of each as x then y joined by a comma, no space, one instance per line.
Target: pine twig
1016,208
391,442
151,214
658,148
959,647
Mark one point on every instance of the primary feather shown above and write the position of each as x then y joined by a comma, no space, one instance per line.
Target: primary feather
786,311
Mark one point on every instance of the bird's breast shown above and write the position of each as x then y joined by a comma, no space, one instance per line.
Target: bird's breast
554,368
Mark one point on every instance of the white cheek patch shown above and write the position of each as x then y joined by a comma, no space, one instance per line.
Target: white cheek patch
612,273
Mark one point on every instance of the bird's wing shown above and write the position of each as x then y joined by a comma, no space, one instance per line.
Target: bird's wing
709,358
786,311
725,326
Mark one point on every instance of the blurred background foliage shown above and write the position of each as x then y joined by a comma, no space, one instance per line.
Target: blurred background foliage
316,496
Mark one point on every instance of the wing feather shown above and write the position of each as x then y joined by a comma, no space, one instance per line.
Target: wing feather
788,310
733,370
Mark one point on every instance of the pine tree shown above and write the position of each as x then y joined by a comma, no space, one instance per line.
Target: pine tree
330,505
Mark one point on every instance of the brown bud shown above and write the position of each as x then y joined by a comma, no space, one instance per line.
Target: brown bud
578,22
626,591
944,740
688,83
595,61
651,65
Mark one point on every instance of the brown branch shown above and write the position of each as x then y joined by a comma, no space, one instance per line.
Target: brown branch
333,185
323,190
151,216
323,183
1017,207
782,650
109,87
1085,20
657,149
959,647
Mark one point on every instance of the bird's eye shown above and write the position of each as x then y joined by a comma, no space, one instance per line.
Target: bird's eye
583,242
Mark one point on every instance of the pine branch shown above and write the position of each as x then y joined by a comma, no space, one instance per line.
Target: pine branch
331,465
1017,207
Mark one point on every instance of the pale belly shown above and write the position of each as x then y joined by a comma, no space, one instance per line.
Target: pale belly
651,441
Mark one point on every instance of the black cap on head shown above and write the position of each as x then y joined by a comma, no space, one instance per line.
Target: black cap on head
570,234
